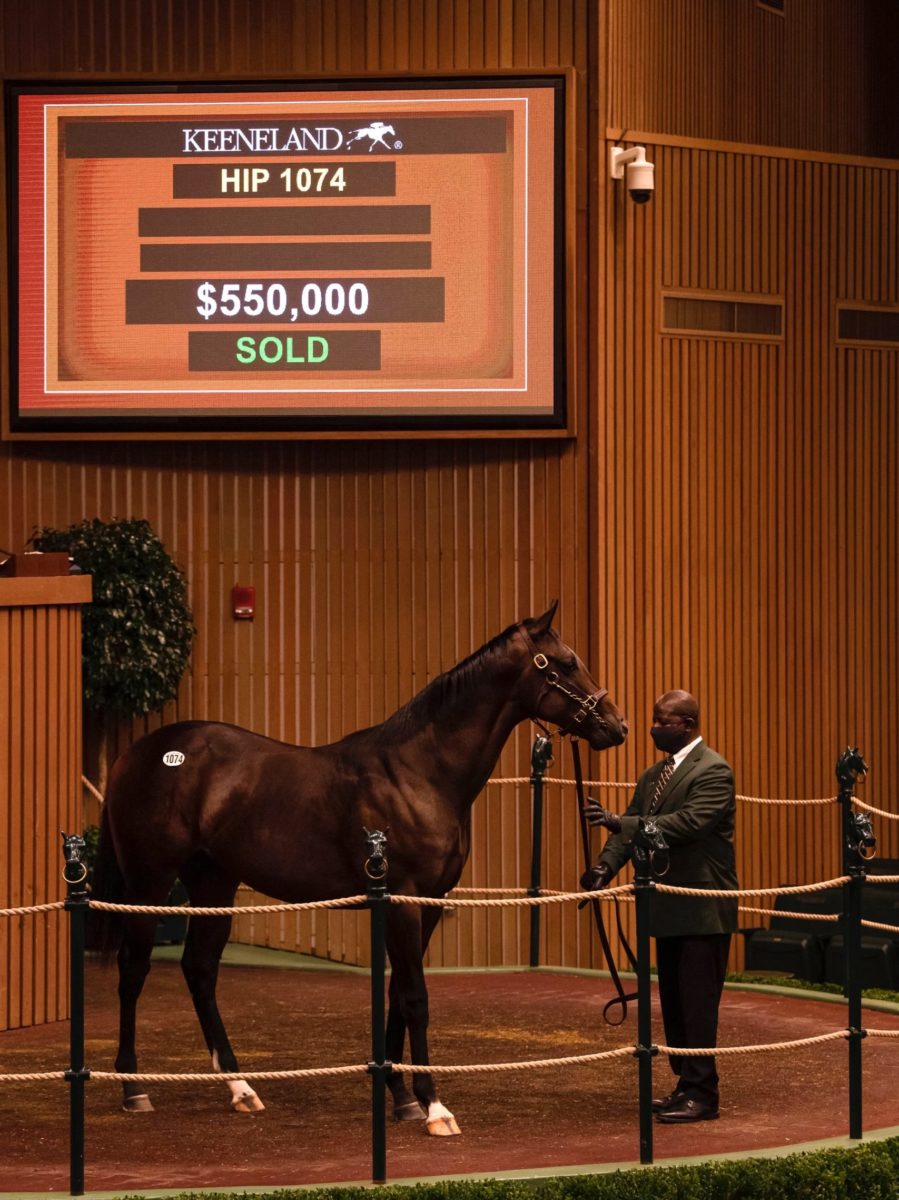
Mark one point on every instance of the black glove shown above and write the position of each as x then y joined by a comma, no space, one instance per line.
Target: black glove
597,815
596,878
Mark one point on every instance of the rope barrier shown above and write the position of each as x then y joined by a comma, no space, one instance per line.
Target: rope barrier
518,899
795,916
878,925
523,902
434,1069
361,1069
32,908
629,785
793,890
217,1076
881,812
599,783
33,1077
527,1065
457,1069
686,1052
626,890
771,800
473,891
167,910
683,1052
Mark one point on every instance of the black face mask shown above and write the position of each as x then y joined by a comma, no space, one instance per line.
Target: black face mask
669,741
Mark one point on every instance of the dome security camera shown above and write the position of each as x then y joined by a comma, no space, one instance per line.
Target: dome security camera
640,184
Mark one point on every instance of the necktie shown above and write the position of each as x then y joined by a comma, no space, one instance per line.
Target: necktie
661,783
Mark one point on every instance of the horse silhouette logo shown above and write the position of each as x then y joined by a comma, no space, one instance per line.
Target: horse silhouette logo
376,134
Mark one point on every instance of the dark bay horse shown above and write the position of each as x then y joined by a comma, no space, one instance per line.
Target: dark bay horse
215,805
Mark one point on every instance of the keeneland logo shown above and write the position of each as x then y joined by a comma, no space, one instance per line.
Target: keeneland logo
278,139
376,133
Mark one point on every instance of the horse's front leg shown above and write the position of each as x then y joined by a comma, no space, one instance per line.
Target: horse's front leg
407,936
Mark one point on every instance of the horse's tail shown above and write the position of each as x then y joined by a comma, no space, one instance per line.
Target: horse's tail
104,929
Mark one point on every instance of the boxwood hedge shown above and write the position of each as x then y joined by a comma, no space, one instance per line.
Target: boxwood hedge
869,1171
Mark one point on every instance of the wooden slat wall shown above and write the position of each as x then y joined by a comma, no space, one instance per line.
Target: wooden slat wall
377,564
817,77
757,479
40,753
725,519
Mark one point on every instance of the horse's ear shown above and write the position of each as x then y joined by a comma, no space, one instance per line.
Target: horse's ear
542,624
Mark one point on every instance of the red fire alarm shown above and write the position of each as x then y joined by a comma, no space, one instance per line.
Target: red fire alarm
243,603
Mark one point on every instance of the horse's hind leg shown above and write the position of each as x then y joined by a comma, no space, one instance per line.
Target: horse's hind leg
134,966
203,947
406,1106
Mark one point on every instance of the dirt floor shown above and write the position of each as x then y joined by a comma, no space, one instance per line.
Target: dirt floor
318,1132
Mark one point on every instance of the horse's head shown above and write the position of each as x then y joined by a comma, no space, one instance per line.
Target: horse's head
564,693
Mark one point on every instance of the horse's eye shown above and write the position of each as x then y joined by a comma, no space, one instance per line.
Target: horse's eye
569,664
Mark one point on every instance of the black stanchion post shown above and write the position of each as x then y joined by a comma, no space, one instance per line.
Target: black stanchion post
75,875
379,1068
857,837
541,757
646,841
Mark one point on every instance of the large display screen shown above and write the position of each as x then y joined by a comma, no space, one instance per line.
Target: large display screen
215,259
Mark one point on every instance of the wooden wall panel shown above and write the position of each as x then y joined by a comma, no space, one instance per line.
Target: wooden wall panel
725,519
40,769
816,78
753,474
377,565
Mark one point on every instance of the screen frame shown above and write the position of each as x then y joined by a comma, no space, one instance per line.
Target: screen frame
257,425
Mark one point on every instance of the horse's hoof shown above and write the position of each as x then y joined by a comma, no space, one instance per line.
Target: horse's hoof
137,1104
441,1122
410,1111
248,1102
443,1127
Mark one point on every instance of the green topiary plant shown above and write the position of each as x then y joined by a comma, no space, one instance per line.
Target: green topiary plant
138,631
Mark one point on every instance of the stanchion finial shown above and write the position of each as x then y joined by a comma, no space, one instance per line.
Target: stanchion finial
75,870
850,768
541,755
376,863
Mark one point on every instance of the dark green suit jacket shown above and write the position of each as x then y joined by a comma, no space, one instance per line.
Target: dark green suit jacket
696,815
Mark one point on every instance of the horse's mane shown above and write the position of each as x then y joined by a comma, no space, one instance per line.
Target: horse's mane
446,690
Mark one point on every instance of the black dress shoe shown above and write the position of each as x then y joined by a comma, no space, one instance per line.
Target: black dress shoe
688,1110
660,1104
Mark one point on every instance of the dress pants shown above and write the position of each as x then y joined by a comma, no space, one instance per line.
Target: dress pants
691,979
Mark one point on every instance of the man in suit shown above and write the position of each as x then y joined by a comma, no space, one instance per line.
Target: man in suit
690,795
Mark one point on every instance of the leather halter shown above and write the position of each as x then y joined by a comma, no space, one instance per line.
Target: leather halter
586,703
